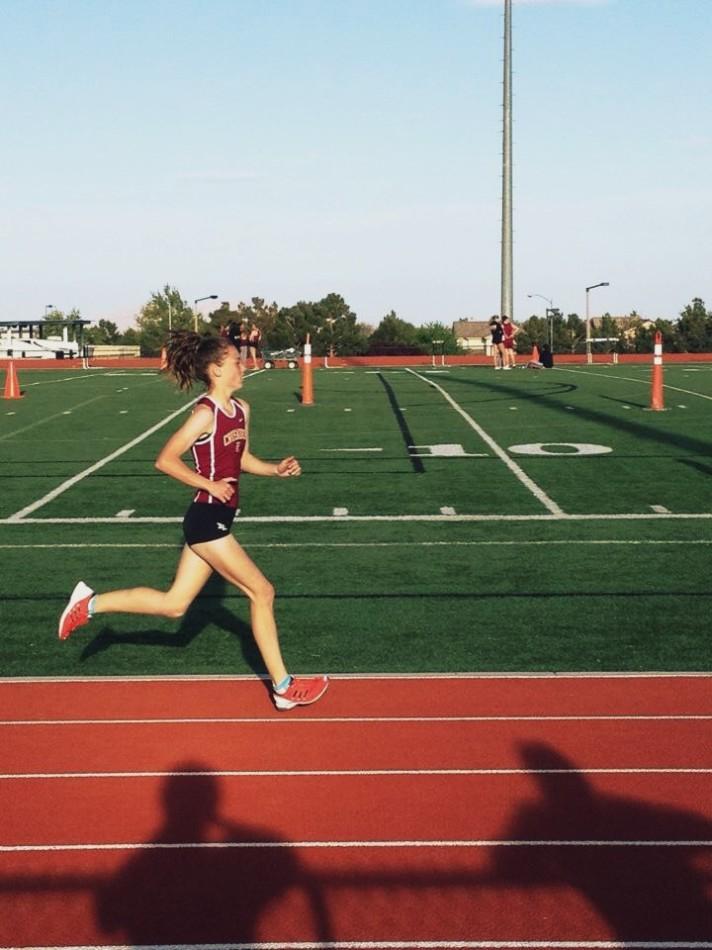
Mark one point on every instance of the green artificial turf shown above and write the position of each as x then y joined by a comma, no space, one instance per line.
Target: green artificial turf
524,589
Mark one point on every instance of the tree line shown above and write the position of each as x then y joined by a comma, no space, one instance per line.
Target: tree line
334,328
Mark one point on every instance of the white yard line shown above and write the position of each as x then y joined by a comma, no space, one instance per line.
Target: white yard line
516,470
363,544
56,415
19,516
630,379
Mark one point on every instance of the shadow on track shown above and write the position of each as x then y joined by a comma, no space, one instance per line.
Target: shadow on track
207,609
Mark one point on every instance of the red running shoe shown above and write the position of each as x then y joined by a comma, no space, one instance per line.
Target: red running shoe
301,692
76,613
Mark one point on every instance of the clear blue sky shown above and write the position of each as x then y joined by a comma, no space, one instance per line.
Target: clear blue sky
289,148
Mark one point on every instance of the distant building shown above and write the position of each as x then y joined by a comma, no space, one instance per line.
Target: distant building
472,335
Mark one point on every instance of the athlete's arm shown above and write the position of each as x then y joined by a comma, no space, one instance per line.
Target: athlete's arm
255,466
169,459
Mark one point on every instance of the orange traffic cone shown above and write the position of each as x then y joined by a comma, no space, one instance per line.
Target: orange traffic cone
657,401
12,386
307,378
535,354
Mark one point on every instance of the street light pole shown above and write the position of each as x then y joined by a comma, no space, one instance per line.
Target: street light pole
550,311
589,358
195,308
170,315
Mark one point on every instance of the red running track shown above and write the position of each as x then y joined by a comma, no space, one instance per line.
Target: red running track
411,812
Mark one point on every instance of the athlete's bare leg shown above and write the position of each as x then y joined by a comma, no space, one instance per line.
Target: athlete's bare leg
230,561
191,575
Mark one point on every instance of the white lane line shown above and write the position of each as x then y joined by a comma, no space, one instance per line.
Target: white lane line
20,681
407,945
289,721
350,450
630,379
375,843
516,470
19,516
362,544
44,419
350,773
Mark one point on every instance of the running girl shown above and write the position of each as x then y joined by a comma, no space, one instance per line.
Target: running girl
217,433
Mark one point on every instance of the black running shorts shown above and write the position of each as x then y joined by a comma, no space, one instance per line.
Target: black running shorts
204,522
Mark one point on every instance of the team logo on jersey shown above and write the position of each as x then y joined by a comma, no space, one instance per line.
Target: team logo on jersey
234,435
219,524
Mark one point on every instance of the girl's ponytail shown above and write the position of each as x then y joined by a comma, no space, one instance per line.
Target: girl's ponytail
189,354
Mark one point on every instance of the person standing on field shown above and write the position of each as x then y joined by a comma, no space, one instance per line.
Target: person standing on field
497,346
509,331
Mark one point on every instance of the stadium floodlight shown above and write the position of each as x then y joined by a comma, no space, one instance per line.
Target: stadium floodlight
604,283
195,305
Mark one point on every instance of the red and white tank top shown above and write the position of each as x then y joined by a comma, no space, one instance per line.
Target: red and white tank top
219,453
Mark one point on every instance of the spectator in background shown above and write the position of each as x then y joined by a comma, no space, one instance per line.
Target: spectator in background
255,341
497,346
510,331
243,341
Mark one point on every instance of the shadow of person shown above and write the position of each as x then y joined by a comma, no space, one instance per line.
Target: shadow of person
643,892
206,610
202,879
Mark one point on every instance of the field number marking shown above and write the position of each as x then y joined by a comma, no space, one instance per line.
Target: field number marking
445,450
560,448
515,469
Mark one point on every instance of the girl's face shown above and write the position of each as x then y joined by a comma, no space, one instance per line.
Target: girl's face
229,372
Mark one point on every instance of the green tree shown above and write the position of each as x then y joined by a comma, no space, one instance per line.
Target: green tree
394,336
330,322
165,307
104,332
428,332
695,327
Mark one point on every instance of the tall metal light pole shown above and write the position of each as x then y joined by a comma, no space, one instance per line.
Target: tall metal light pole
506,292
195,308
604,283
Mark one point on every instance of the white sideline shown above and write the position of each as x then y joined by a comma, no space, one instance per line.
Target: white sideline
303,519
364,544
629,379
516,470
19,516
